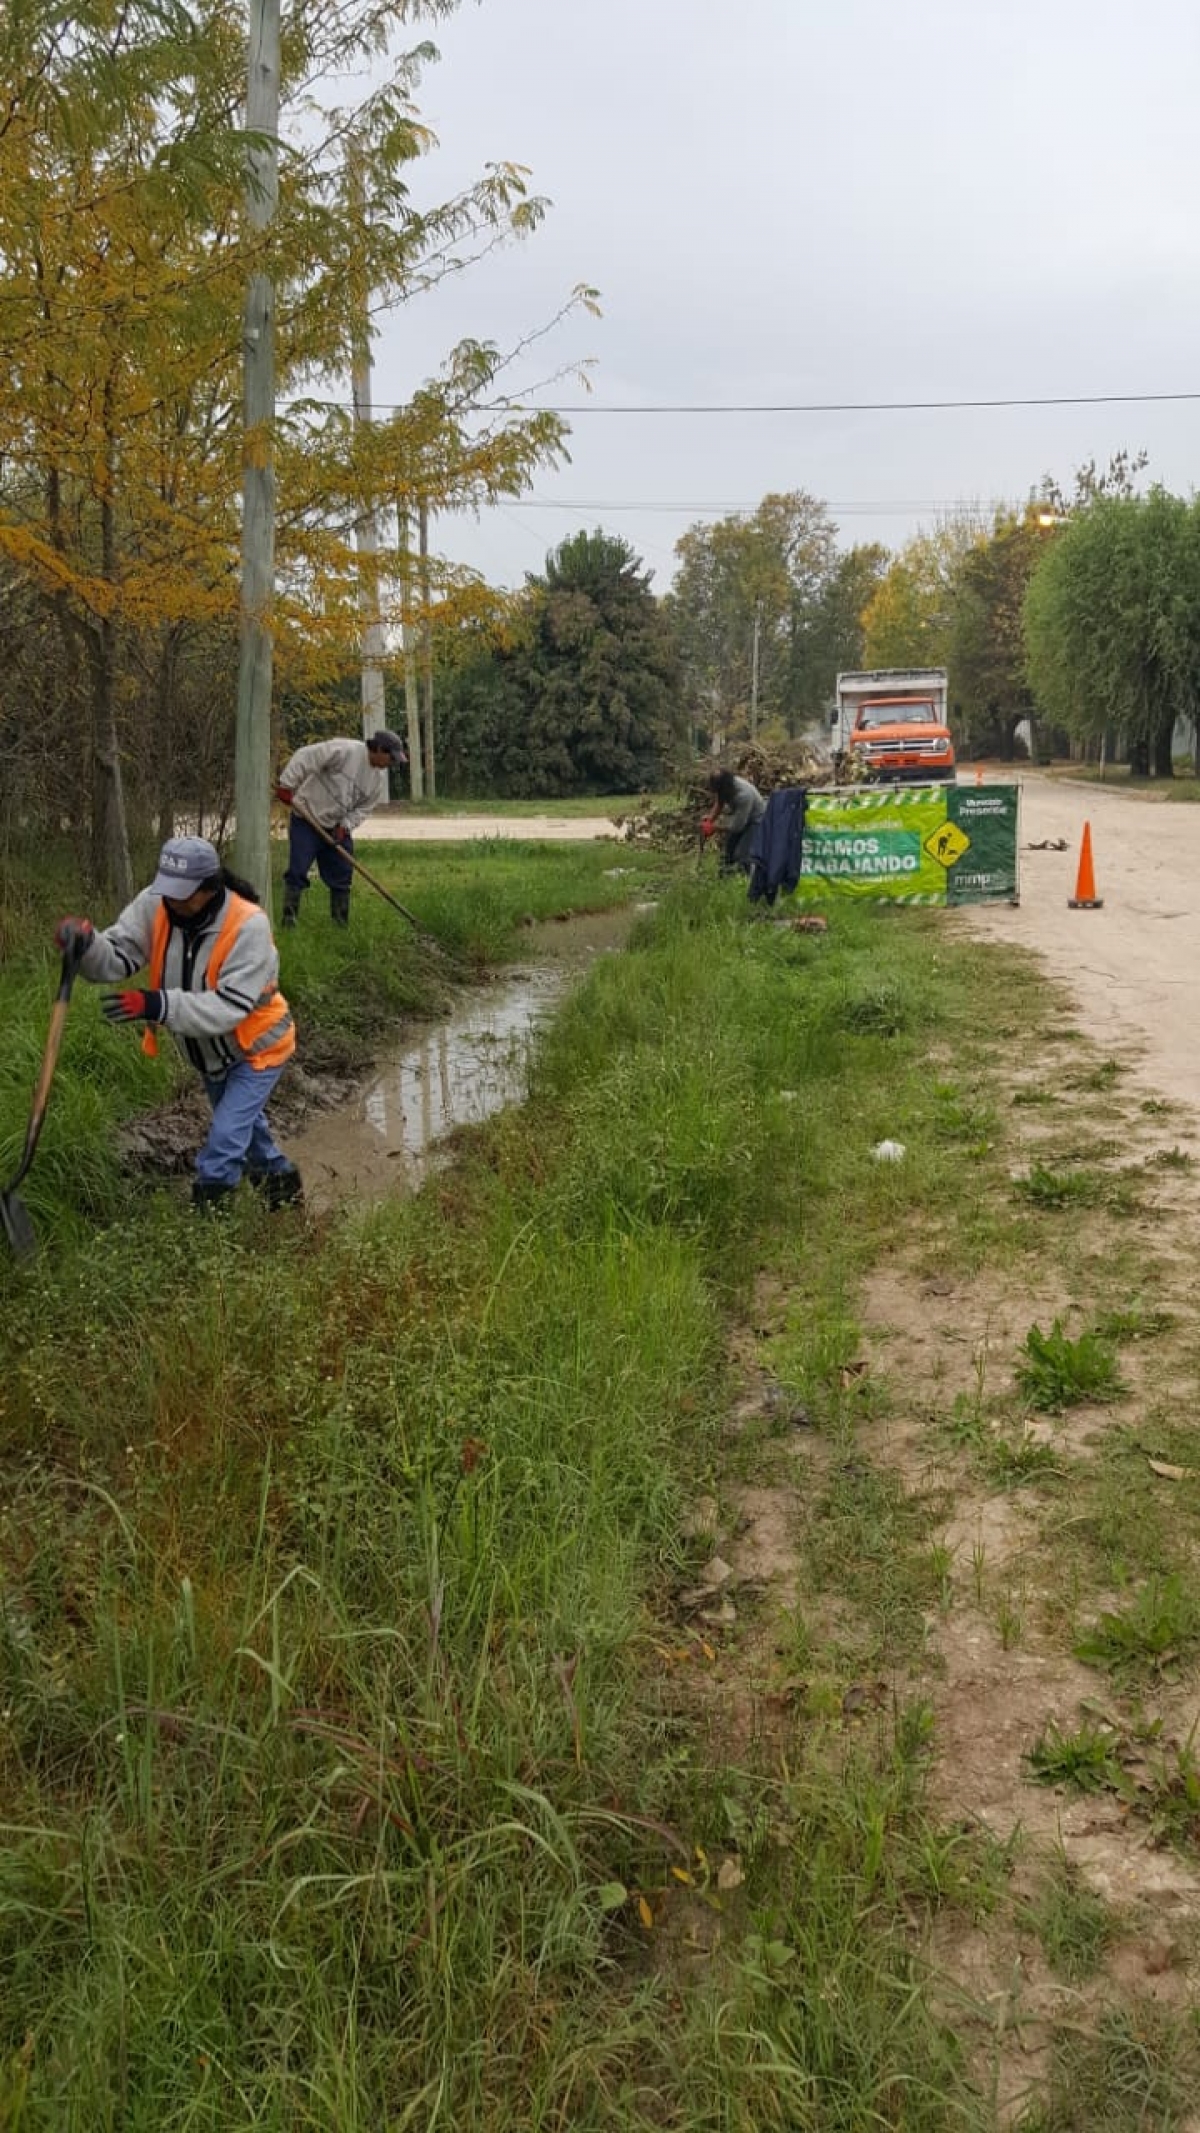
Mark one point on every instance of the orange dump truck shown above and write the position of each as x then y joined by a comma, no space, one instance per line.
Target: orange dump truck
890,724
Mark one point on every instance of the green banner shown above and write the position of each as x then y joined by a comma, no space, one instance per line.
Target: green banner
916,844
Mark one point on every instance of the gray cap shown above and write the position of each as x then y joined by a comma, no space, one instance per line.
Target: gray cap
184,863
390,744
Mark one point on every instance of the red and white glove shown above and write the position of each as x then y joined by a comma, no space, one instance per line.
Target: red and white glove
74,936
707,827
133,1006
284,793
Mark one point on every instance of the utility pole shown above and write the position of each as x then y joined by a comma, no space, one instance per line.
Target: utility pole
252,758
427,657
412,699
754,671
366,532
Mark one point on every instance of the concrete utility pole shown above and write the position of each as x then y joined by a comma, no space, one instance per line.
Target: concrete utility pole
252,761
427,658
366,532
754,671
412,697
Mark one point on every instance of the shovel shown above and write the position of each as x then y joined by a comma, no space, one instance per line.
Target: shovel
14,1215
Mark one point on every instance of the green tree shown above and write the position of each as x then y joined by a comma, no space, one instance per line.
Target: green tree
986,642
828,634
764,575
1112,625
600,672
574,687
909,619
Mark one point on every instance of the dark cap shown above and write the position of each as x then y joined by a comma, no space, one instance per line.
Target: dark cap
389,744
185,864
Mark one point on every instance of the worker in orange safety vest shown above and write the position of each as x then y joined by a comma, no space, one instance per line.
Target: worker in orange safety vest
213,985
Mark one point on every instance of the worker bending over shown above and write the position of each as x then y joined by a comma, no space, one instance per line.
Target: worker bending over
329,788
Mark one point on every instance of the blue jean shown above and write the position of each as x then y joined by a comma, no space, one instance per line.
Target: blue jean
304,846
239,1137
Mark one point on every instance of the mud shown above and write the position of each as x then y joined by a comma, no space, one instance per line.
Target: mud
453,1073
456,1073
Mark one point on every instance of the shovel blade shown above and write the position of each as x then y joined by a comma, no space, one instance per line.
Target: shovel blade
19,1231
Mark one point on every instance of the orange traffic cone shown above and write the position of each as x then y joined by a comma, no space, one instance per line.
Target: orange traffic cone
1085,897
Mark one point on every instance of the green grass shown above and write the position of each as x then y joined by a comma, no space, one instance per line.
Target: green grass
578,806
330,1553
1074,1925
342,1780
1132,2069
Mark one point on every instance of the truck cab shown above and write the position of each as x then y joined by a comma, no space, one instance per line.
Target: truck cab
890,726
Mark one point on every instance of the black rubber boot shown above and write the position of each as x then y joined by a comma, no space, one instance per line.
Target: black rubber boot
279,1188
291,903
339,906
211,1199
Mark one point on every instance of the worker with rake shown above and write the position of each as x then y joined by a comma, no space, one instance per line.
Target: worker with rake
213,985
328,788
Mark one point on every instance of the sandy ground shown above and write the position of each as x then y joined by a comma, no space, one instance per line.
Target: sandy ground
1130,967
451,829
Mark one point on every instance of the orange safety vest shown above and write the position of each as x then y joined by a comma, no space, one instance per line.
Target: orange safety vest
271,1012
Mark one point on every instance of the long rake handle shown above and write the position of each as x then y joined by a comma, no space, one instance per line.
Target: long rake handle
358,866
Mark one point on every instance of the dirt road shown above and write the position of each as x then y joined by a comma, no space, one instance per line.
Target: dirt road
1130,968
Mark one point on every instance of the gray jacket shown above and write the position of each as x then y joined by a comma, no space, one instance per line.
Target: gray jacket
746,807
201,1022
334,783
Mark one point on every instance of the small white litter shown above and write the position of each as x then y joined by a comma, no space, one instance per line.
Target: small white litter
888,1151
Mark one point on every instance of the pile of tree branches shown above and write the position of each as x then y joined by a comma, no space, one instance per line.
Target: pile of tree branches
677,828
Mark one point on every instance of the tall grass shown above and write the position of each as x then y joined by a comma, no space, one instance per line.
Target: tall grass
335,1787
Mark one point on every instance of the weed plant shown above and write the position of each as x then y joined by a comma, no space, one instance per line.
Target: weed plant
1157,1634
1056,1372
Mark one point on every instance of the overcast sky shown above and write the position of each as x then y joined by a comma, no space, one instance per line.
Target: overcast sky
825,200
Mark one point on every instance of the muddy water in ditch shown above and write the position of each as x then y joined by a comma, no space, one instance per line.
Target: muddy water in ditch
452,1073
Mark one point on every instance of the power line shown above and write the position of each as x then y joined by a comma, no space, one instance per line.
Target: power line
853,407
813,407
879,507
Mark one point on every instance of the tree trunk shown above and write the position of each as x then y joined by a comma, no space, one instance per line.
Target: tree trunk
1164,758
164,735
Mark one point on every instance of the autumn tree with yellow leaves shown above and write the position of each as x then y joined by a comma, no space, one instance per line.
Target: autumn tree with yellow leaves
124,255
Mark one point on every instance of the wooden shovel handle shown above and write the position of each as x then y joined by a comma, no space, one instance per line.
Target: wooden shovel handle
54,1036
